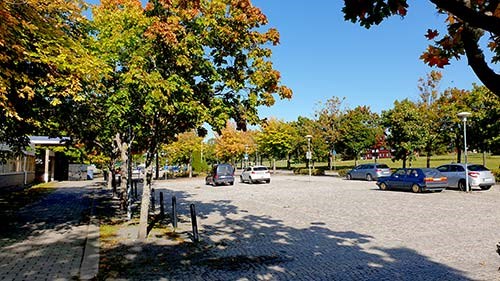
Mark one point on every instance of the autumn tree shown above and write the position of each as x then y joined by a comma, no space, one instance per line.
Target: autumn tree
182,150
230,144
468,23
44,60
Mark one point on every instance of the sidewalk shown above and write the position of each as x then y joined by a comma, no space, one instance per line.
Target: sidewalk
54,238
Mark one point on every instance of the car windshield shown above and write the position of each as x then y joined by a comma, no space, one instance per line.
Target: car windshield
382,166
477,168
260,169
432,173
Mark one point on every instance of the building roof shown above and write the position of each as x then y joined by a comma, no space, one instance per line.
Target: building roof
44,140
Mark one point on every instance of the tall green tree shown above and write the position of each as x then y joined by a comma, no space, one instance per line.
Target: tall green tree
484,124
468,24
434,116
357,129
404,129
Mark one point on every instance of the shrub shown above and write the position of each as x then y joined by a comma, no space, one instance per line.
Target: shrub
496,173
343,172
305,171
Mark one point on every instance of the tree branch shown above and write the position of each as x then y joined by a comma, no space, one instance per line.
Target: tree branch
477,61
466,14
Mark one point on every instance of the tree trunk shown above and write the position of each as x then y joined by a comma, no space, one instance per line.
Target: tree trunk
484,157
459,150
145,205
428,160
288,163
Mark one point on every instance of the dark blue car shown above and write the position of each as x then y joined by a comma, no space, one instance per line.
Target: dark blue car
414,179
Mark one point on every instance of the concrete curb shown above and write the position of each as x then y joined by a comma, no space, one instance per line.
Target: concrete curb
90,260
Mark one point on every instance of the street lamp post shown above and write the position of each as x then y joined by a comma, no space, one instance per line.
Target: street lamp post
464,116
309,154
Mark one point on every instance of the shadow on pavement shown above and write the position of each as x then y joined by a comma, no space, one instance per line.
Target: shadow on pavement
264,248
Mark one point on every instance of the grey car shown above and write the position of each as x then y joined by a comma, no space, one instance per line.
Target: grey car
479,176
220,174
369,172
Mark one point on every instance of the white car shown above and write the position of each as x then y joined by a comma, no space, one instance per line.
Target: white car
256,174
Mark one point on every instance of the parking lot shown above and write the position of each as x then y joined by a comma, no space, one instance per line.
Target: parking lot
328,228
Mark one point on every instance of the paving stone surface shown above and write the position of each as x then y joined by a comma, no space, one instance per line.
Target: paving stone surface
47,241
332,229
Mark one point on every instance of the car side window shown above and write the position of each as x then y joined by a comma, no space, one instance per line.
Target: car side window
459,169
400,173
248,169
445,168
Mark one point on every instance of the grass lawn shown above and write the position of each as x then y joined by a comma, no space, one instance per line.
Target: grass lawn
492,162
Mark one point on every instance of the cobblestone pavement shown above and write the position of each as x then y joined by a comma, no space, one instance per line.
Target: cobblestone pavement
49,236
333,229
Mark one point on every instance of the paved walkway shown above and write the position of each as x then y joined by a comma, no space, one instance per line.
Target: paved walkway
54,238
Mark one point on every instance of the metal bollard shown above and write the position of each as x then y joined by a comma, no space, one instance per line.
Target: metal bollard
194,222
153,207
162,211
174,212
135,188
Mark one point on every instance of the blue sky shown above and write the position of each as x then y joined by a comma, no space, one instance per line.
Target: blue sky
321,56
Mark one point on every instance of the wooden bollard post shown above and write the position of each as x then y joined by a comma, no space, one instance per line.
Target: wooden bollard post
194,222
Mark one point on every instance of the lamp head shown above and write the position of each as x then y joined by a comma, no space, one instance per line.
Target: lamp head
464,115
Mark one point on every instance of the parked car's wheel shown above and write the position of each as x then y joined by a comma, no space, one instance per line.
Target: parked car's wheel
231,183
461,185
348,176
415,188
383,186
268,181
241,179
486,187
369,177
250,180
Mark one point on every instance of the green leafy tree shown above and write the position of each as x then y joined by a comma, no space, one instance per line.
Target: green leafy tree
468,22
357,129
328,117
450,103
277,140
403,125
484,126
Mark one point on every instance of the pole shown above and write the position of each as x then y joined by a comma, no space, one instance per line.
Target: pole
465,156
194,223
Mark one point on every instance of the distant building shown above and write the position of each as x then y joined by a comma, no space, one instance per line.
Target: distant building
379,153
36,163
17,170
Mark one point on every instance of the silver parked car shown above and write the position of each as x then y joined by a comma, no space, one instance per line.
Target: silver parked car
369,171
255,174
479,175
